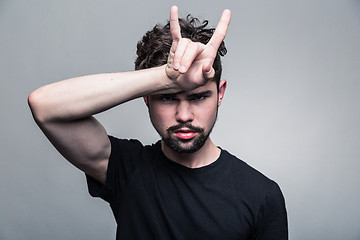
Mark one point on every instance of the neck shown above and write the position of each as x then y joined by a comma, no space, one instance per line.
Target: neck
206,155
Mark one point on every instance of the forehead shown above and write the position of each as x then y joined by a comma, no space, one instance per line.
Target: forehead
209,86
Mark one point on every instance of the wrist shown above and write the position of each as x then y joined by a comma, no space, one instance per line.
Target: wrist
167,83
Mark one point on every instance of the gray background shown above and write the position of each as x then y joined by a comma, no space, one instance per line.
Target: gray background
291,109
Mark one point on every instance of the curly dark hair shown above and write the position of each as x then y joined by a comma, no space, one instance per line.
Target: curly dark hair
153,49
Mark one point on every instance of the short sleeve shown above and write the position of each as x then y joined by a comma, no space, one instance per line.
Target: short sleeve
272,217
123,161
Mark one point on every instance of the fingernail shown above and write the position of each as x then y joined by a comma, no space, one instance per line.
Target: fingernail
176,66
182,69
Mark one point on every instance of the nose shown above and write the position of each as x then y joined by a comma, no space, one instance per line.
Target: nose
184,112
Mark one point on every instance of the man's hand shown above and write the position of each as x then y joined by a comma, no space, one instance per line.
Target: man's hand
190,63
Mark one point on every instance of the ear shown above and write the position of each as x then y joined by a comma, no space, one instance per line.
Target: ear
146,100
222,88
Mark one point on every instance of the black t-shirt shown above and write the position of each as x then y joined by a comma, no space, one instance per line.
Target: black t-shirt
153,197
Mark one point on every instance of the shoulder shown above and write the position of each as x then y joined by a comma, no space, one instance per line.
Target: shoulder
243,170
126,147
124,143
262,194
249,180
131,150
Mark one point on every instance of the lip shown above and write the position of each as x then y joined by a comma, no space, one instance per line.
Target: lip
185,134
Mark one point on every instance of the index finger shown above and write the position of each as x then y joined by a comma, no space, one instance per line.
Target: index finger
221,29
174,24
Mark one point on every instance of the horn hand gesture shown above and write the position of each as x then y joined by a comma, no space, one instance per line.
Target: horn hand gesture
190,64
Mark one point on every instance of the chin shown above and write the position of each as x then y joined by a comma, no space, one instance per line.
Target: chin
188,146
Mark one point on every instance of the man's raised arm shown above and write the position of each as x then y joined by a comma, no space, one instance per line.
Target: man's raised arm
63,110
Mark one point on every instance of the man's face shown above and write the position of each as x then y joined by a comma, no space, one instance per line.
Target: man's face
184,120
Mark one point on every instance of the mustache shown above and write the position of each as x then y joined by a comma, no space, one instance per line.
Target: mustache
188,126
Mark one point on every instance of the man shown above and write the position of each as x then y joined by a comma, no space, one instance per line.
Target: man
183,186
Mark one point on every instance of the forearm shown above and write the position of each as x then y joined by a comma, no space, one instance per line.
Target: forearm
81,97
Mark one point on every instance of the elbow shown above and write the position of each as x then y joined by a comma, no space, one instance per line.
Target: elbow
32,100
36,104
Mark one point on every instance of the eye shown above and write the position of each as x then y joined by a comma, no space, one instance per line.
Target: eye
198,98
167,99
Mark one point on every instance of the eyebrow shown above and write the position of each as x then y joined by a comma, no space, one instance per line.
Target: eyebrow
189,96
200,94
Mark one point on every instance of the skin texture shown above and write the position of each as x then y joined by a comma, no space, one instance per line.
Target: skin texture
64,110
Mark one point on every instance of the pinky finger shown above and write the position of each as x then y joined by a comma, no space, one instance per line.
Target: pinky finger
174,24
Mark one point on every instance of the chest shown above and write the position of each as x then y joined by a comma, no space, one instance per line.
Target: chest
177,205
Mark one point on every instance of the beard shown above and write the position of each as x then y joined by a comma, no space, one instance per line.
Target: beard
192,145
185,145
